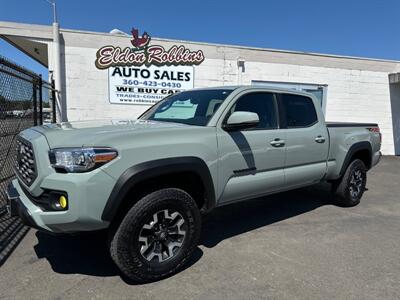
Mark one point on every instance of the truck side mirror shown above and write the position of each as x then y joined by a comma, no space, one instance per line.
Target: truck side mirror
241,120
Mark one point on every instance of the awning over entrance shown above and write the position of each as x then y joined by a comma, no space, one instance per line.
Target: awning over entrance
32,40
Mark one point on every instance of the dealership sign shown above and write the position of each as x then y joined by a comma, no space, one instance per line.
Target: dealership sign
147,85
110,56
144,73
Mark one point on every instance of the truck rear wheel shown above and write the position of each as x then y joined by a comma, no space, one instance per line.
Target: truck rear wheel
157,236
350,188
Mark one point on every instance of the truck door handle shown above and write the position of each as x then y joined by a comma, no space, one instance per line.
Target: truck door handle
277,143
320,139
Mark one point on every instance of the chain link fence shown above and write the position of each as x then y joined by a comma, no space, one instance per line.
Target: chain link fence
25,101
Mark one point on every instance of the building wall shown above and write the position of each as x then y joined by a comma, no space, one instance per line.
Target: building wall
358,90
352,95
395,103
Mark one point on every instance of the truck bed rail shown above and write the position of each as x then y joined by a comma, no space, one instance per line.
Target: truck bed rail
348,124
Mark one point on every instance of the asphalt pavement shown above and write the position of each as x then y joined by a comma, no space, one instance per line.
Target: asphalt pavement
295,245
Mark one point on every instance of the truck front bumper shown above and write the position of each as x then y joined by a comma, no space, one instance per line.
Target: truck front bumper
76,218
15,207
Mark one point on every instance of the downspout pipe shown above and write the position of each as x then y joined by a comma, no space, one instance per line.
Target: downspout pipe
60,109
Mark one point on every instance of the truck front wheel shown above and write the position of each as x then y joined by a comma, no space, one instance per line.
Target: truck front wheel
350,188
157,236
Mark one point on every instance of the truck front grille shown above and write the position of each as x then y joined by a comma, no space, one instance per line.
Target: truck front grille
25,166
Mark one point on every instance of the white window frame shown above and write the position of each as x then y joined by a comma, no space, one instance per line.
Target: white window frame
298,86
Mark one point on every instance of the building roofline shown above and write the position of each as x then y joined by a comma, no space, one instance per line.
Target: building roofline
49,28
238,46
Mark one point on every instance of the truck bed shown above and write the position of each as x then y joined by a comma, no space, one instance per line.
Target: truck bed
343,136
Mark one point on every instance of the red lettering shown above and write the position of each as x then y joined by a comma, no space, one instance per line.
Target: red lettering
108,56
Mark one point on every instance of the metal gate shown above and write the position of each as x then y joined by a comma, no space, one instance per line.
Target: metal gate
25,101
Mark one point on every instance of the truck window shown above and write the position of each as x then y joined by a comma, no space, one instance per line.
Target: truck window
178,110
262,104
194,107
298,110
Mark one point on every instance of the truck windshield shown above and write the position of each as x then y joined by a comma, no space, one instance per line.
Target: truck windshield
189,107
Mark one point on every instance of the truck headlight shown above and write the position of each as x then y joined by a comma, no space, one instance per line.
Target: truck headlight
78,160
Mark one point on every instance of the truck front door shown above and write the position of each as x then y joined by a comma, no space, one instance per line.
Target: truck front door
251,161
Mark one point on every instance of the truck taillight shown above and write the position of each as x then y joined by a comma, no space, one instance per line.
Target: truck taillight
377,130
374,129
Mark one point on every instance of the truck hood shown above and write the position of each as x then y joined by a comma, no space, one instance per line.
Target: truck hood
91,133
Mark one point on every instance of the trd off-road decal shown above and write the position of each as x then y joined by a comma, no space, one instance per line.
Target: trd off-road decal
144,73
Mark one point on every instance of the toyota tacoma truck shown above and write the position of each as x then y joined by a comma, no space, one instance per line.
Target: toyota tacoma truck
148,181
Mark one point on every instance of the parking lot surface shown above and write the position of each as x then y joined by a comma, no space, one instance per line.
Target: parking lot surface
294,245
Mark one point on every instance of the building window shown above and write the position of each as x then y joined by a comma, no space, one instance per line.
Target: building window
318,90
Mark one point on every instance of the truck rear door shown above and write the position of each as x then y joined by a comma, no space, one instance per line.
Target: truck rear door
307,140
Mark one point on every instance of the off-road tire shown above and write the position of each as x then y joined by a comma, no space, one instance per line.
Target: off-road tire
125,248
342,188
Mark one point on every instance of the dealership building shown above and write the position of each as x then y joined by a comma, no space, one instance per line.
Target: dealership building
350,89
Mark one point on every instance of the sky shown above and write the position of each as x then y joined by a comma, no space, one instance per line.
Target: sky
368,28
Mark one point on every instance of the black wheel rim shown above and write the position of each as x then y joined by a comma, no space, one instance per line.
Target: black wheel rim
356,184
162,235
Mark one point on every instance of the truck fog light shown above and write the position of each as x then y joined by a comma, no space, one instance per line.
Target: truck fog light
62,202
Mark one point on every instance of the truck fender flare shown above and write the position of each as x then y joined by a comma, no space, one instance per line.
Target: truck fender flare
354,149
155,168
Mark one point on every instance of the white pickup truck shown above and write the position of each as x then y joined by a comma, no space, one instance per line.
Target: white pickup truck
147,180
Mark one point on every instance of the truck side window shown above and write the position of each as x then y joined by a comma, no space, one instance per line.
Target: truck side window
299,111
262,104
